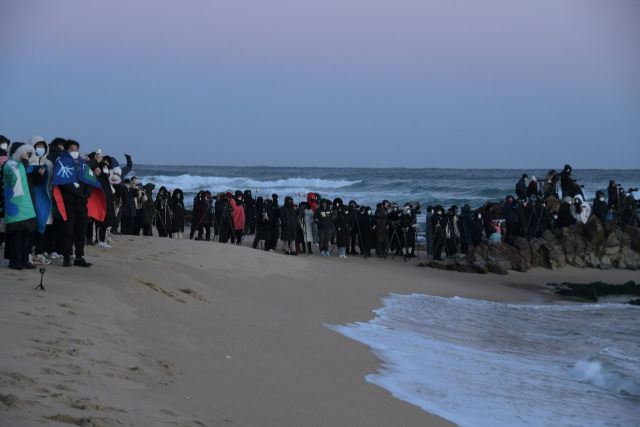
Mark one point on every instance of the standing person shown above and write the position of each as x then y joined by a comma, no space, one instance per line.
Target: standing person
78,196
353,228
271,210
532,188
612,189
429,231
466,218
178,213
477,228
164,208
322,218
19,203
600,207
487,219
139,203
510,210
224,215
453,231
263,230
249,213
275,221
129,211
312,199
381,231
289,225
55,149
204,212
565,219
196,215
439,223
576,189
110,213
43,197
550,184
365,222
238,217
148,208
306,221
394,218
521,187
341,223
565,181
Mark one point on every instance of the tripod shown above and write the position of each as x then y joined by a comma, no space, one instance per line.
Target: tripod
441,239
226,215
354,215
395,234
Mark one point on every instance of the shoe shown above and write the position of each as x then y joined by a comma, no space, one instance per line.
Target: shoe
109,240
293,253
270,250
15,267
104,245
344,256
287,253
82,263
40,260
317,244
5,263
55,257
30,266
66,262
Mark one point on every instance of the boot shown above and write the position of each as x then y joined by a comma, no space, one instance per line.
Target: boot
303,249
81,263
309,248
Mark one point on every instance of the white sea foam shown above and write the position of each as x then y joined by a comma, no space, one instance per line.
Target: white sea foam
189,183
489,364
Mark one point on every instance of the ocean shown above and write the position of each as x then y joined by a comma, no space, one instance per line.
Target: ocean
479,363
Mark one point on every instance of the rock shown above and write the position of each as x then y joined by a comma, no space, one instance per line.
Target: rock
440,265
629,259
580,292
579,229
499,266
594,232
460,266
548,235
634,302
605,263
480,267
612,246
520,243
526,254
557,259
535,244
634,237
535,259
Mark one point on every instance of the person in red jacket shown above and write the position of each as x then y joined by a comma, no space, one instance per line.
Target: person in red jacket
238,216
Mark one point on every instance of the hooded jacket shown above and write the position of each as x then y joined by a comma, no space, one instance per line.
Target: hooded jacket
585,210
341,222
510,210
178,210
565,219
466,218
18,180
110,215
288,220
600,208
249,205
381,222
521,189
164,211
306,222
322,215
549,186
238,214
148,207
312,203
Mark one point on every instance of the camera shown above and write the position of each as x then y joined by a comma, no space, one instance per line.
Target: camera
631,190
43,270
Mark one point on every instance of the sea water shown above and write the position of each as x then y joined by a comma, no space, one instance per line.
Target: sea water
479,363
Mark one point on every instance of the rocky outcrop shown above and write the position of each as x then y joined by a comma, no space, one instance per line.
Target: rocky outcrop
592,291
587,245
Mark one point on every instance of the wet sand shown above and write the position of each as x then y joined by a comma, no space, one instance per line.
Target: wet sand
192,333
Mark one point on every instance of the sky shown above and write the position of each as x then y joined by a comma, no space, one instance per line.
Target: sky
461,84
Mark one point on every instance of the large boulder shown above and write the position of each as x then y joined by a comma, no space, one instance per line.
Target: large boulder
520,243
634,237
594,232
548,235
556,258
499,266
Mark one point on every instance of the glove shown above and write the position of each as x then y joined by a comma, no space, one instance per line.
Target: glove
128,157
415,226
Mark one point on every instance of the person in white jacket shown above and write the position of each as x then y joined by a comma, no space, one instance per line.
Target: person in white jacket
580,210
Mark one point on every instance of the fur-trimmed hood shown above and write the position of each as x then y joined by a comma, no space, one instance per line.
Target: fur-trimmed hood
17,149
35,159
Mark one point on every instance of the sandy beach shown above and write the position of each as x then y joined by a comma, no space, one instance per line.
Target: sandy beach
189,333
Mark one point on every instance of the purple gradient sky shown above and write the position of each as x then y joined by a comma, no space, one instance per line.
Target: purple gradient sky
333,83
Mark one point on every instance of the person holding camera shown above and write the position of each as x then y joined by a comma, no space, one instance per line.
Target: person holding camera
439,224
249,213
452,231
612,190
408,226
565,181
225,209
306,224
178,213
288,225
239,218
382,231
324,221
263,224
576,189
466,238
550,184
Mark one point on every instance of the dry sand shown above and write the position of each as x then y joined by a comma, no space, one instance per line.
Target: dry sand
243,343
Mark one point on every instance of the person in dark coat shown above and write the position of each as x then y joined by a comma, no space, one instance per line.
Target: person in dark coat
288,225
487,219
394,218
263,224
439,224
148,207
195,216
343,232
477,228
178,213
521,187
429,230
365,222
532,188
249,213
510,211
565,181
55,149
275,221
129,211
203,210
323,219
600,207
466,238
612,190
353,229
164,213
565,219
381,231
110,216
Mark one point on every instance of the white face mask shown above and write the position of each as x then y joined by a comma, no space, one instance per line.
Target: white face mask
75,154
601,199
555,217
337,205
479,216
3,146
439,213
105,170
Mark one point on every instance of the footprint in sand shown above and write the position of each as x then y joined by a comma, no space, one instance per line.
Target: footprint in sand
52,372
10,402
16,380
82,421
166,367
120,377
26,313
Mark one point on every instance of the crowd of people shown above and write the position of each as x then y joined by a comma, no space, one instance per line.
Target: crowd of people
54,201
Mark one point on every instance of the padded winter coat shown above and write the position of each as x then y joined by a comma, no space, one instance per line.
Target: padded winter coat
288,220
466,217
510,211
521,189
178,211
322,217
341,222
148,206
585,211
600,209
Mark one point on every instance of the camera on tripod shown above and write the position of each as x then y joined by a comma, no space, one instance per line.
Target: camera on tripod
631,190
